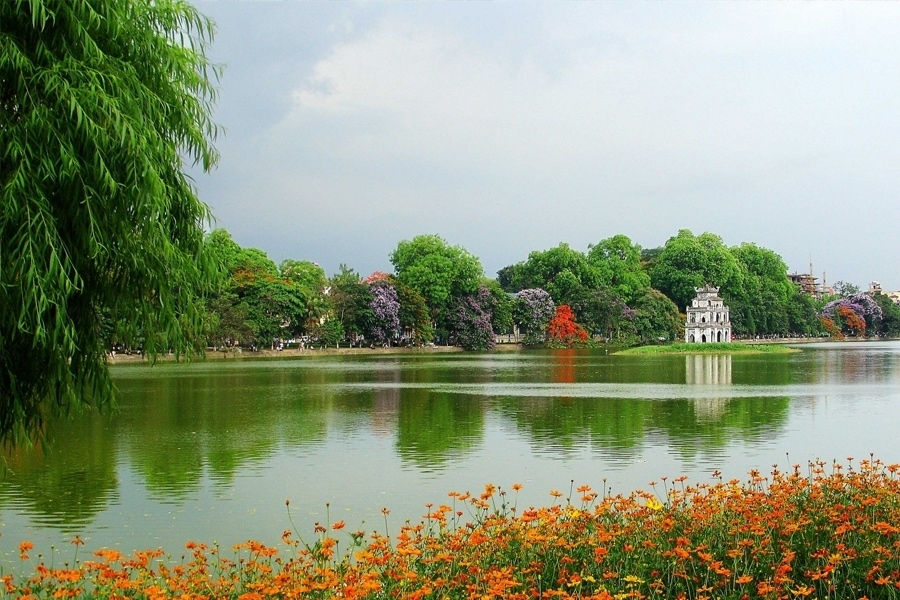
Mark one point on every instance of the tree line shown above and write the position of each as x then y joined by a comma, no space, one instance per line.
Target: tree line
438,293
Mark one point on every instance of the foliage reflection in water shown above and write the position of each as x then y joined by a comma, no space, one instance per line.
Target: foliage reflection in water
211,450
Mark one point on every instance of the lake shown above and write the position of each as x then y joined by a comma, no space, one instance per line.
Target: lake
210,451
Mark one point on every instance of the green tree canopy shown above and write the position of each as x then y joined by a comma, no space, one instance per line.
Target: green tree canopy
688,262
618,262
657,317
439,272
562,271
350,302
100,104
764,302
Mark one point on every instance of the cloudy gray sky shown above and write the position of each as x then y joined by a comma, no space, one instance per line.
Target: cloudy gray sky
507,127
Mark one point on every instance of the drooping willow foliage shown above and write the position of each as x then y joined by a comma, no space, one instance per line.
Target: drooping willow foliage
101,104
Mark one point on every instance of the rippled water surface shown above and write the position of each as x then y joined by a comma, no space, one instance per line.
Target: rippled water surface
210,451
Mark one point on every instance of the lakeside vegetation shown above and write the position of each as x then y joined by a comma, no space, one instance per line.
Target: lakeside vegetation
824,531
616,292
713,348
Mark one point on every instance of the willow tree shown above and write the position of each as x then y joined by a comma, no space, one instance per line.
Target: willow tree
102,103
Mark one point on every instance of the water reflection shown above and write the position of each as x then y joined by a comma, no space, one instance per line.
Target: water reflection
707,369
437,427
713,370
347,425
68,485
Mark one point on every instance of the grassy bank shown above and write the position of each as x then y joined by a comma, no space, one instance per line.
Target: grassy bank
716,348
821,531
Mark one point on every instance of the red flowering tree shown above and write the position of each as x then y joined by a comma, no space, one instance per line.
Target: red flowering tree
831,327
852,320
563,330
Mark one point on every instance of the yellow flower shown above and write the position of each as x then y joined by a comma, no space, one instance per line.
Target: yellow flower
654,504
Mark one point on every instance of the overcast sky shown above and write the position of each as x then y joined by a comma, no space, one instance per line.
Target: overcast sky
507,127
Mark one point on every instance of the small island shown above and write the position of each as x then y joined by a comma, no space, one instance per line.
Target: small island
712,348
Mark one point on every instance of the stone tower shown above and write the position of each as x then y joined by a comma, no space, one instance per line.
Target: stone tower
707,318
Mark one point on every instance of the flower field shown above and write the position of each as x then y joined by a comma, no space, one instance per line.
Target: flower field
827,530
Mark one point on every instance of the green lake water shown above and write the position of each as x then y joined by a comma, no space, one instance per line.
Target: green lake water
210,451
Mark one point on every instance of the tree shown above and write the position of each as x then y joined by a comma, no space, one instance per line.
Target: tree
764,303
602,311
228,320
619,264
562,271
563,330
439,272
844,289
890,316
471,318
506,278
385,312
308,279
855,314
351,302
803,317
533,309
502,312
657,317
414,318
688,262
100,105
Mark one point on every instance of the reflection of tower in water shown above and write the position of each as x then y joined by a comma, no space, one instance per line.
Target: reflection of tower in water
386,405
708,369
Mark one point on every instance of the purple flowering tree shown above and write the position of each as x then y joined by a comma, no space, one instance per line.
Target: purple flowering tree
532,311
862,304
471,320
385,311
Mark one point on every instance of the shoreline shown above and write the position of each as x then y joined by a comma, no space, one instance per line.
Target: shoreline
211,355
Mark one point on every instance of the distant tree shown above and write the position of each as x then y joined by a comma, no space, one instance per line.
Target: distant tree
844,289
848,312
688,262
763,303
890,317
101,104
618,262
506,277
229,320
803,317
439,272
385,308
415,319
309,276
562,271
532,310
350,302
502,312
331,331
471,320
656,317
563,330
602,311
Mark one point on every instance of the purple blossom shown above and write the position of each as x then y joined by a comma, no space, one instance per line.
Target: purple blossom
472,320
386,310
538,303
534,307
862,304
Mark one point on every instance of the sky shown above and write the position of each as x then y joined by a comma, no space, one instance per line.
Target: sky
509,127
